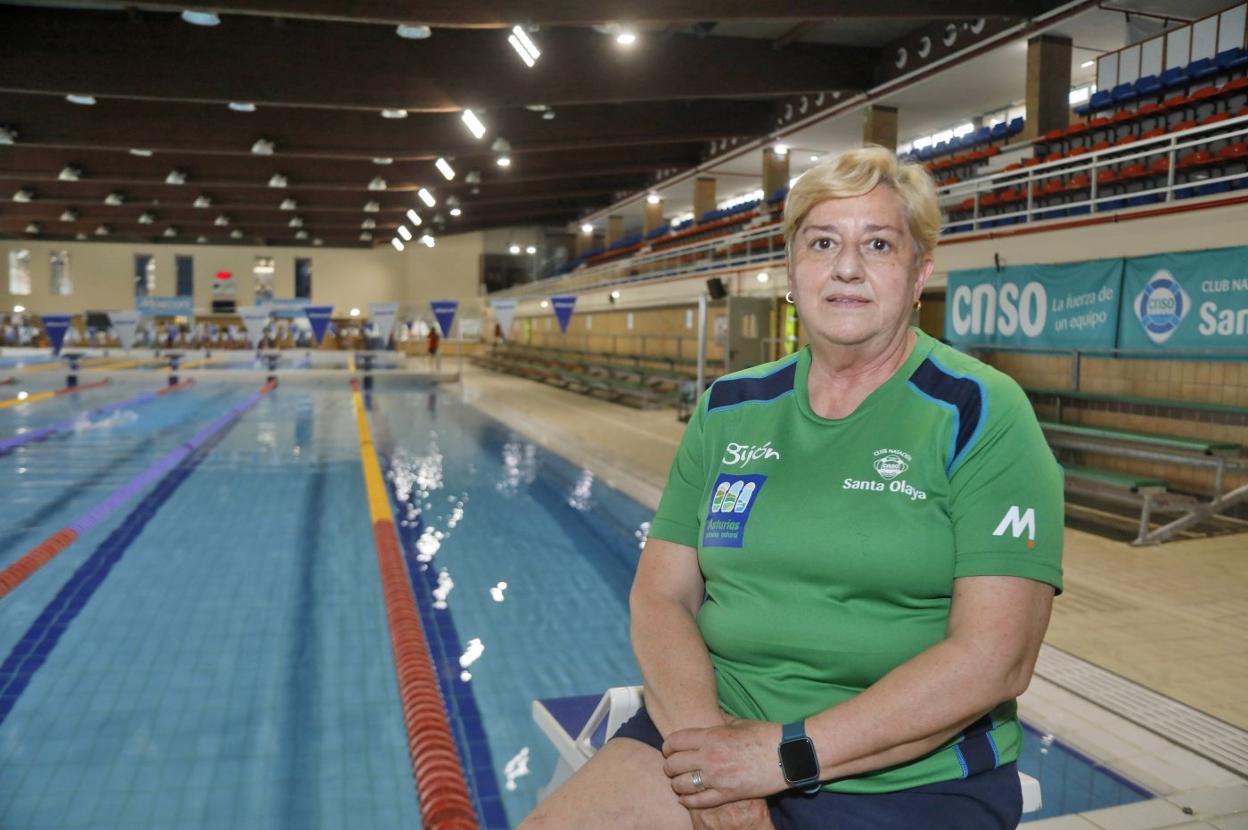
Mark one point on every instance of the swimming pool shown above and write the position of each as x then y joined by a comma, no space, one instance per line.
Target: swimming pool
222,658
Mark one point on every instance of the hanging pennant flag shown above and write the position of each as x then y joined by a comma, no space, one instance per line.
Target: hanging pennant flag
445,310
384,315
125,323
563,309
254,318
504,313
56,325
318,317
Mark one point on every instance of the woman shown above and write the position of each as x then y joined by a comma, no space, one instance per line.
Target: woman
851,570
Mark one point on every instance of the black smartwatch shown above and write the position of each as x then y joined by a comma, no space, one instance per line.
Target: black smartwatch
798,760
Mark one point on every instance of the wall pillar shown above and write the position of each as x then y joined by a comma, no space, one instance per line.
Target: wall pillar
703,196
879,126
651,216
615,229
1048,85
584,241
775,171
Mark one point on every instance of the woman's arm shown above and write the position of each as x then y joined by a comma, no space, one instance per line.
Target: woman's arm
996,626
679,680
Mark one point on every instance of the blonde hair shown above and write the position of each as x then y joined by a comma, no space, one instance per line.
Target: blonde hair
857,172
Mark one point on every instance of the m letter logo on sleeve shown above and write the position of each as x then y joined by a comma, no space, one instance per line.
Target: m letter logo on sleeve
1017,520
731,502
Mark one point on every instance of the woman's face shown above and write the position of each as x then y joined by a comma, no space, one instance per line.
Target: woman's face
853,270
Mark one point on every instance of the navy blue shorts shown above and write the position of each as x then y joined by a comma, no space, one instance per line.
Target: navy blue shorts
991,800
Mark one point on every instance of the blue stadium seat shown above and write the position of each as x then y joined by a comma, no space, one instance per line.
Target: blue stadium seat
1016,126
1229,60
1122,93
999,130
1101,100
779,196
1148,85
1201,69
983,135
1175,76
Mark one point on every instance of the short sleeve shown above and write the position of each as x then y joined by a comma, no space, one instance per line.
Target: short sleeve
1006,495
677,519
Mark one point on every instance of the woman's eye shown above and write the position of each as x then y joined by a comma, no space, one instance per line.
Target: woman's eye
880,245
822,244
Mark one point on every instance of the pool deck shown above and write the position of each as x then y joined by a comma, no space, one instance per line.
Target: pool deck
1156,634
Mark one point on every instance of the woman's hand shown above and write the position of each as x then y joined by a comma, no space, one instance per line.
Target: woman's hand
750,814
733,762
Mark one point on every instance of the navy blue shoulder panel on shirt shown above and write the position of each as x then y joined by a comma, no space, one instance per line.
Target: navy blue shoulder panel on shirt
731,392
963,395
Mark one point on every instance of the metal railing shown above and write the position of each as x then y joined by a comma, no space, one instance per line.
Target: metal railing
1101,196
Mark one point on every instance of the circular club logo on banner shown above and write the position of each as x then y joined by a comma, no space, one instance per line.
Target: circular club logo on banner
1161,306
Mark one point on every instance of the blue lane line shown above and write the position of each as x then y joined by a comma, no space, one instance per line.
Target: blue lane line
36,645
444,648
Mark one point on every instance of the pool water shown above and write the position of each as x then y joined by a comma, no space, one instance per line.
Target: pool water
215,654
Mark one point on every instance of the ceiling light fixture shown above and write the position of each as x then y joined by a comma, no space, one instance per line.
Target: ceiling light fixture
33,227
147,218
81,100
377,183
318,241
780,149
763,277
626,38
524,46
504,161
301,234
8,135
653,199
18,309
355,312
287,204
69,174
103,230
514,249
426,197
371,207
615,295
366,237
456,211
444,167
221,220
473,124
202,201
532,249
368,224
1087,64
413,31
397,243
427,240
383,160
405,233
175,177
69,215
587,228
548,115
395,114
814,158
141,152
170,231
278,180
242,106
201,18
115,198
295,222
263,147
237,233
414,217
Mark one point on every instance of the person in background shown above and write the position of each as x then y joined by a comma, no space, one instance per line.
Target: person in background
432,342
850,573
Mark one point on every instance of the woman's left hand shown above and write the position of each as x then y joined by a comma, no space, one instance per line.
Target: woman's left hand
735,761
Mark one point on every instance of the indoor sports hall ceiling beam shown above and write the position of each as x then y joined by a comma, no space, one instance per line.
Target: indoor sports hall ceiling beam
344,66
122,124
505,13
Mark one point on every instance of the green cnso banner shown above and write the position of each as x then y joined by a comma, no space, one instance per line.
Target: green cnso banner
1068,306
1195,300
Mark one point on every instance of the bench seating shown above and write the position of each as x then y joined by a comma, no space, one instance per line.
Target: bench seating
1200,446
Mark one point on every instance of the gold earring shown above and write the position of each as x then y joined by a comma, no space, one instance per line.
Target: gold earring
918,304
788,297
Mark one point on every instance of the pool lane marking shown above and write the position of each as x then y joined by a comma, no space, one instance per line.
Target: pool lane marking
42,553
467,725
36,645
441,788
43,396
132,364
67,425
56,364
197,363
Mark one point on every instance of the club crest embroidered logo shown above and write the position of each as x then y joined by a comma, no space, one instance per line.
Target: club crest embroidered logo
890,466
731,502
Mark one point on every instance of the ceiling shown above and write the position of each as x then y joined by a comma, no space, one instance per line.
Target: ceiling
592,122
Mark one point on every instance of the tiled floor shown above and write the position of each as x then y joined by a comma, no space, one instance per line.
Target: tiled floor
1173,618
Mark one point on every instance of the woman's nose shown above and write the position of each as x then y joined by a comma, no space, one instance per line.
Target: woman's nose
848,265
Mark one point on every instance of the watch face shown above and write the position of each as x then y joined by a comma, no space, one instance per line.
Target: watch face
798,760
